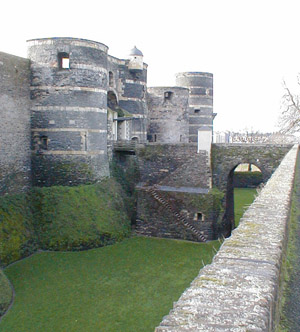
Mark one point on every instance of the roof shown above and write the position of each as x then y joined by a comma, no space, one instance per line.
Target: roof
135,51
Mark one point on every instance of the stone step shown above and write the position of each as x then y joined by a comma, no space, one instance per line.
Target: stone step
179,217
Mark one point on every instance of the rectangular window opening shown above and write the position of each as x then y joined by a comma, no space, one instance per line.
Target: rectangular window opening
44,142
63,60
168,95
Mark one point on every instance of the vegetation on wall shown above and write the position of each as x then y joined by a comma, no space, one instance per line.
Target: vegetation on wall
152,152
66,173
127,176
62,218
75,218
16,228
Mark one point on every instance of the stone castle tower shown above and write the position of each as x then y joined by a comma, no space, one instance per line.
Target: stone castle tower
81,101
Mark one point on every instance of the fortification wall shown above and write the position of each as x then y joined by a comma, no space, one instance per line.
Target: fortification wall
181,177
240,290
177,165
14,124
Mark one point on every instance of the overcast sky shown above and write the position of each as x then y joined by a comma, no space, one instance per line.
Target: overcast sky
249,46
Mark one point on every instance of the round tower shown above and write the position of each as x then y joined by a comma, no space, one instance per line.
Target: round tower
132,96
135,60
69,110
201,114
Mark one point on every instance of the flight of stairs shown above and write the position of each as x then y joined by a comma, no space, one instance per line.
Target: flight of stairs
179,218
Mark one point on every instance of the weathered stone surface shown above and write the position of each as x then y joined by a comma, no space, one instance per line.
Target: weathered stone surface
225,157
240,290
14,124
169,120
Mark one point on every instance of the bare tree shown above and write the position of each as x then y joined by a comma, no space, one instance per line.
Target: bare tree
289,120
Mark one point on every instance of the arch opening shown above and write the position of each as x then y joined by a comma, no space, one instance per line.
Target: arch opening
244,175
112,101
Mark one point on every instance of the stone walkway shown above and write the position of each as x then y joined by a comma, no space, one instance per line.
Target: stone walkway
292,307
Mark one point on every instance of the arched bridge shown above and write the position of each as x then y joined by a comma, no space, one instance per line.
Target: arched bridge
226,157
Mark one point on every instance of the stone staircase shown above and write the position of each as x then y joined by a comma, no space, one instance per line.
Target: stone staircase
179,218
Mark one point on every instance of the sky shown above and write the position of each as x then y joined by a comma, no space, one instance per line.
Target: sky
249,46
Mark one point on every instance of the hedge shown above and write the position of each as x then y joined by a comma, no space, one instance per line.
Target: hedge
247,179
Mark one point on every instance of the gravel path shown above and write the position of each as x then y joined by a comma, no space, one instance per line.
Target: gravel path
292,306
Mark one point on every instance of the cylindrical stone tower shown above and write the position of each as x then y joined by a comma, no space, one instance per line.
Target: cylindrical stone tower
69,110
132,99
201,115
168,114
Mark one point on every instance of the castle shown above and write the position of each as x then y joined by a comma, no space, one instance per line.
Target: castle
81,100
71,108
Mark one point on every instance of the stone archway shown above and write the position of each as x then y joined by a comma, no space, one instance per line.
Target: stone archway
112,101
228,218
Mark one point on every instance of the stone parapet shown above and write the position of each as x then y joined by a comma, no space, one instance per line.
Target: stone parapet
240,290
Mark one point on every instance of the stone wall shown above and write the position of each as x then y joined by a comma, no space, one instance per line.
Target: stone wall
168,114
181,177
177,165
14,124
200,210
240,290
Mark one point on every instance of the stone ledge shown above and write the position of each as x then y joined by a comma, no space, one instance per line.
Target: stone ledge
239,291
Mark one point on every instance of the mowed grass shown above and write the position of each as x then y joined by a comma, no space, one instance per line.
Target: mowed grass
243,197
128,286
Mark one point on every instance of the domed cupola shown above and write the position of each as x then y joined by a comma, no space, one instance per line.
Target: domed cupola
135,60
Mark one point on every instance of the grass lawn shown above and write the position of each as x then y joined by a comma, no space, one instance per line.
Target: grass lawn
243,197
128,286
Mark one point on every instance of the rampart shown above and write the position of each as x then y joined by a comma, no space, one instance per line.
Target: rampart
240,290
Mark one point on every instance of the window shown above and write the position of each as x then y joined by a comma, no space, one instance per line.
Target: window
44,142
197,111
111,78
63,60
199,216
168,95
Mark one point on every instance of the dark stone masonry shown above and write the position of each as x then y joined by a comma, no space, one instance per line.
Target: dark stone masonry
72,114
71,109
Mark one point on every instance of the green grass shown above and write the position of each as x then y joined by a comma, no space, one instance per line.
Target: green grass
128,286
243,197
5,293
